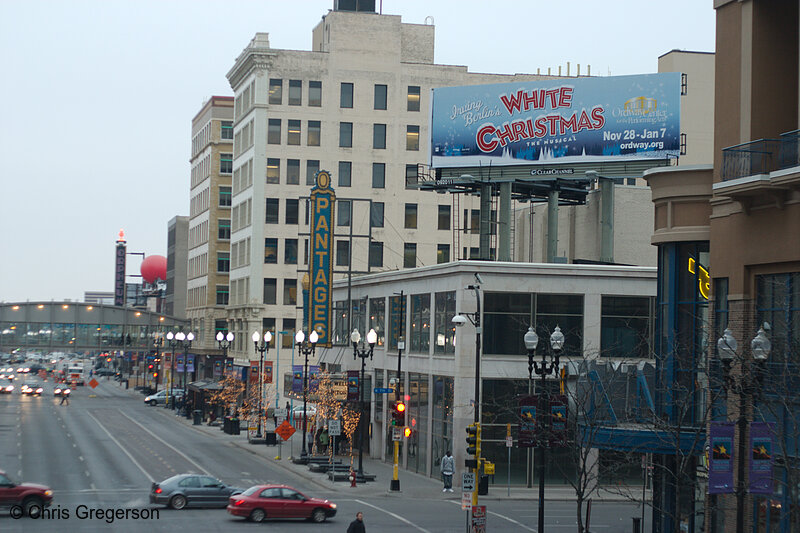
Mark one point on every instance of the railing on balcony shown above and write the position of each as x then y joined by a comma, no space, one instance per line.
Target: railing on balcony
761,157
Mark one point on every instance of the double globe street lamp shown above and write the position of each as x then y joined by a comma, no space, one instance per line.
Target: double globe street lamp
261,348
306,347
186,340
543,369
359,350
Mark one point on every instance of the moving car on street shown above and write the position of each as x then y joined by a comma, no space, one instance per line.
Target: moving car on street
279,501
32,389
161,396
61,390
191,490
27,495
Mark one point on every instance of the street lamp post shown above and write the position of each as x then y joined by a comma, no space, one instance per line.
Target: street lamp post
224,342
158,342
543,369
306,347
359,350
186,340
746,386
173,343
261,348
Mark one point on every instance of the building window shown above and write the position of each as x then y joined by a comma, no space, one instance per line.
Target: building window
420,316
379,136
312,167
292,210
625,326
227,130
409,255
376,214
223,229
295,92
378,175
346,96
411,216
293,171
345,173
472,220
272,210
412,138
315,94
343,208
293,133
778,302
270,290
306,248
290,252
411,176
225,197
274,131
314,132
289,293
220,325
444,217
380,96
273,170
225,163
376,254
345,134
413,98
442,253
275,91
445,331
223,262
222,295
342,253
271,250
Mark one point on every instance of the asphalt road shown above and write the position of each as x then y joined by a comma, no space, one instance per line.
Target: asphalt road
104,449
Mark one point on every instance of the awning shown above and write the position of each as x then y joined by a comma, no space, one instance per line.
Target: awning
204,385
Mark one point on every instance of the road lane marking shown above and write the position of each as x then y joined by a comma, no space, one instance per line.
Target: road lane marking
173,448
134,461
519,524
412,524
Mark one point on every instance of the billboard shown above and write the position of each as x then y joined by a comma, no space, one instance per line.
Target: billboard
323,201
575,120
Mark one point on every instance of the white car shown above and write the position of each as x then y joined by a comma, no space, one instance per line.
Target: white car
161,396
297,411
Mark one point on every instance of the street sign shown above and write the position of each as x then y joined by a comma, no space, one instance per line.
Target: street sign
382,390
334,428
509,442
285,430
93,383
478,519
396,434
466,500
468,482
280,412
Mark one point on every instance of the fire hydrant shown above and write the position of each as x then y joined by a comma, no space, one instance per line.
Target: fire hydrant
352,478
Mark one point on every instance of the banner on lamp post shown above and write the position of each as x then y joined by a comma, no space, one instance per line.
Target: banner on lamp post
179,364
254,370
527,421
297,378
313,378
558,420
720,460
352,385
190,363
761,445
267,371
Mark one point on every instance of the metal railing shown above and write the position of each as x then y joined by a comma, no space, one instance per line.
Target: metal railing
761,156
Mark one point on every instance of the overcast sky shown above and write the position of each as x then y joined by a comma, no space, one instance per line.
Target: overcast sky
98,98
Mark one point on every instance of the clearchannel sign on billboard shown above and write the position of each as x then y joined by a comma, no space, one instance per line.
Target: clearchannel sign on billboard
576,120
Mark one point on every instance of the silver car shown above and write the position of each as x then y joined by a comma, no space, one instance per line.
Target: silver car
161,397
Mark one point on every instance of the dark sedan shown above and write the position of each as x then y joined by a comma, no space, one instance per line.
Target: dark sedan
191,490
279,501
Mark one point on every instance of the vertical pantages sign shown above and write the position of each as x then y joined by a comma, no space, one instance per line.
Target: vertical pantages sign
119,271
323,200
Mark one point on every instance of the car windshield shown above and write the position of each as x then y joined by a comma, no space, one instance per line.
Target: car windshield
251,490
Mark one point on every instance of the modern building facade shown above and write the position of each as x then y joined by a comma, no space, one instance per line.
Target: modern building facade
209,226
729,259
177,263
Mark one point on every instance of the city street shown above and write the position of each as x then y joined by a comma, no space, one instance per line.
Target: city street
104,449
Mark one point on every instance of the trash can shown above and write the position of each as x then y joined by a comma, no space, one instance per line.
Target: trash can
226,425
270,438
198,417
483,485
234,426
126,384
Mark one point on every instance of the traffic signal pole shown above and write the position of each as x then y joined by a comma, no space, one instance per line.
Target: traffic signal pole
394,484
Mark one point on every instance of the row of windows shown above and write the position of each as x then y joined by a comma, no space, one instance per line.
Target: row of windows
198,266
241,215
240,288
314,134
201,169
271,291
240,253
243,177
198,234
346,94
244,139
344,174
199,202
244,101
196,296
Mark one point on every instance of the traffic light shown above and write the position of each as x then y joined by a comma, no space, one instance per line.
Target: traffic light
407,432
473,445
399,414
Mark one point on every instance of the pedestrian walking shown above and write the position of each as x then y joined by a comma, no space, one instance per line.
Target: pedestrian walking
357,525
448,469
64,397
324,439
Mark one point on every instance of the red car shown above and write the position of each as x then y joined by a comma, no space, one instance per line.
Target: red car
279,501
27,495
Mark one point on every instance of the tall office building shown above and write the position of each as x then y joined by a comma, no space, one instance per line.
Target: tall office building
209,223
177,253
356,105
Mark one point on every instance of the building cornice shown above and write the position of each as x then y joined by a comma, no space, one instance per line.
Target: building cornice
252,59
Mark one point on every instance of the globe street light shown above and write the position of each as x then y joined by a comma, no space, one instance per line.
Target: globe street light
186,340
306,347
261,348
363,353
746,385
173,343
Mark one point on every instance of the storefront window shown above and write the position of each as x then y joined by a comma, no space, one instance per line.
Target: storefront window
420,323
377,309
445,331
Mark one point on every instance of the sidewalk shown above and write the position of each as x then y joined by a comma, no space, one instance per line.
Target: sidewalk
411,483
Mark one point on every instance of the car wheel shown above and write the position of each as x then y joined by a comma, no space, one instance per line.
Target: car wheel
258,515
318,516
32,507
177,502
153,403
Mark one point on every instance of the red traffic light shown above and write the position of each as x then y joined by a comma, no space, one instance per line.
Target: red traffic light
401,407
